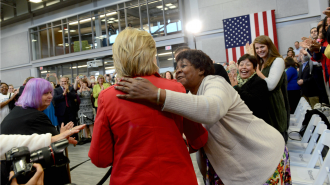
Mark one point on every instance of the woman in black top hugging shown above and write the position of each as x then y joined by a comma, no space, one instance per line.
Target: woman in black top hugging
27,118
252,89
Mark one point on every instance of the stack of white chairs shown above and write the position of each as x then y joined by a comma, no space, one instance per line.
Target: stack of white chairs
309,174
306,148
297,118
301,153
293,131
307,163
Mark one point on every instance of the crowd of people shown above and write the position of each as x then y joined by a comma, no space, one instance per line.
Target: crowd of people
235,117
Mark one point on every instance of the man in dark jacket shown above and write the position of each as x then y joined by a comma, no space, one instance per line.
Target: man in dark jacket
64,100
307,79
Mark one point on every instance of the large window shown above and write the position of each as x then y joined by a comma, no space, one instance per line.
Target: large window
99,28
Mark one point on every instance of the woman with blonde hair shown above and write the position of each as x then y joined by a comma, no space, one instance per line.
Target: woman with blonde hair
100,86
143,144
271,69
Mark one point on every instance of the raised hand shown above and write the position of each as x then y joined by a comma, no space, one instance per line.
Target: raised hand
232,79
68,126
327,12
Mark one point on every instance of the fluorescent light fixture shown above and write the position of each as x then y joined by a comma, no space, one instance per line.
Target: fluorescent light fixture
169,4
66,30
112,18
45,71
81,21
159,6
34,40
164,8
110,21
116,20
35,1
78,66
169,53
170,59
172,7
108,14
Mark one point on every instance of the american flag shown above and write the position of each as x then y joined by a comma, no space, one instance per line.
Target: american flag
244,29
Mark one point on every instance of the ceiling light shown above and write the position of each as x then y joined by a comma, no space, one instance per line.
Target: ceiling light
66,30
34,40
194,26
169,4
108,14
164,8
112,18
159,6
169,53
172,7
35,1
170,59
45,71
110,22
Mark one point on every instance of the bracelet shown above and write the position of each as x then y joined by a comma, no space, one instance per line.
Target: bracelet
158,95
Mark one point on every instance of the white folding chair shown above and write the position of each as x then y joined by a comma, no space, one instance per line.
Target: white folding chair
297,121
301,102
306,148
299,159
310,175
293,131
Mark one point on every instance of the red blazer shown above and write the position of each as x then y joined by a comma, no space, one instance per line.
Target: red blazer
144,145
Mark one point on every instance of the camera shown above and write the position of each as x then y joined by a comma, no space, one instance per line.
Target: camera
22,159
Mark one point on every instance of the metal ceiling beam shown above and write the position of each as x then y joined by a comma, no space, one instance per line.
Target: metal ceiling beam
7,4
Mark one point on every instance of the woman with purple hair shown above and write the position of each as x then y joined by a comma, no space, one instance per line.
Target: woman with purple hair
27,118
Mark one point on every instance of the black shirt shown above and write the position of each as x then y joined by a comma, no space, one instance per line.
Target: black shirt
27,122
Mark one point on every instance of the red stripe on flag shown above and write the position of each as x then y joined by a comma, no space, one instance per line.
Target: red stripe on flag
264,15
227,55
242,50
256,23
234,54
274,28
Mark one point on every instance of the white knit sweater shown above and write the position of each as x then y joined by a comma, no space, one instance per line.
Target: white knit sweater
242,148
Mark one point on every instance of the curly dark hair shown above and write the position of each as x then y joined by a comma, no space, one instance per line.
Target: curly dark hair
251,58
198,59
